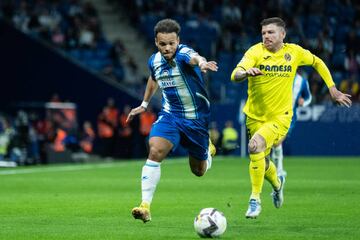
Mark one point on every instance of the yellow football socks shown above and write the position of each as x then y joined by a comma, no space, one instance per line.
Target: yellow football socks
271,176
257,172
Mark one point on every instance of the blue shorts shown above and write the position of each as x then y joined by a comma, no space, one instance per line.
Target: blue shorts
192,134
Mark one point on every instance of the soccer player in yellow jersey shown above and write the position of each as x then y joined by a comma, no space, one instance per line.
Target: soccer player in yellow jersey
270,68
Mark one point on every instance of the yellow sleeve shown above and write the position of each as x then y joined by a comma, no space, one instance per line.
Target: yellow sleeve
323,71
307,58
248,61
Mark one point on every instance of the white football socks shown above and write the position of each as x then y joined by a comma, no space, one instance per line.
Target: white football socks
208,161
150,177
277,156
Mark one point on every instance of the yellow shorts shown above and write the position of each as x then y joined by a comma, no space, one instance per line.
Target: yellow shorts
272,131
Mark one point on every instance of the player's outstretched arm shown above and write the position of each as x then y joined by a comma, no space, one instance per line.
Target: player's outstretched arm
239,74
151,88
341,98
135,111
203,64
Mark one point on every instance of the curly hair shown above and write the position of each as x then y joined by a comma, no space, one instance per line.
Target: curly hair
167,26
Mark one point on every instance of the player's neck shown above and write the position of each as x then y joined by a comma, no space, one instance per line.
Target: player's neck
277,48
171,62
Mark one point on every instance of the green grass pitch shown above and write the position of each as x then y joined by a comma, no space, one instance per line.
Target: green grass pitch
93,201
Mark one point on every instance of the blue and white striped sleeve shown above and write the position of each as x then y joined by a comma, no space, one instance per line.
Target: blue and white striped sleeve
151,68
186,53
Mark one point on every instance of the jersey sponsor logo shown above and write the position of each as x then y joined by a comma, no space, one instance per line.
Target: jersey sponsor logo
277,74
165,81
275,68
287,57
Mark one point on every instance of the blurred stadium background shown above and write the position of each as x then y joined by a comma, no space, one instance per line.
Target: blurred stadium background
71,69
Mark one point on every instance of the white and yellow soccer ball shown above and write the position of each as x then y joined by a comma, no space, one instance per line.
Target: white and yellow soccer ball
210,223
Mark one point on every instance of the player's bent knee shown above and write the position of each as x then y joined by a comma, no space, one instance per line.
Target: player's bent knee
252,146
257,144
198,168
198,172
156,153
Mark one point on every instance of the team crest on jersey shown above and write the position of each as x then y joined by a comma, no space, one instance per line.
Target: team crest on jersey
287,57
165,74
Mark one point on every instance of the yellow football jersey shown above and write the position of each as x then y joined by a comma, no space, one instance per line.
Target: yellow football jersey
270,94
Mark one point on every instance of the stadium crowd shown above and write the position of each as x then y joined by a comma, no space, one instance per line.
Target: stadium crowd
224,29
29,135
72,26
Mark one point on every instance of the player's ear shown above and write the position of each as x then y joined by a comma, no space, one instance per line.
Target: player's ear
283,33
156,44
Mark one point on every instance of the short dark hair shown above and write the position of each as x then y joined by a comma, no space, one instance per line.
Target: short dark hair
167,26
274,20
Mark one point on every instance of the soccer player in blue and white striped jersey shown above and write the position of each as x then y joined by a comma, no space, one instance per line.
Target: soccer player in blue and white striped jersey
301,97
184,117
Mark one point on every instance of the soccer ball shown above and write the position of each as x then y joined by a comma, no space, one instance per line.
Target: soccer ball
210,223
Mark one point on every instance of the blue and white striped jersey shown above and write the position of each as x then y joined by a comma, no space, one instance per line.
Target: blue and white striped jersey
300,89
182,85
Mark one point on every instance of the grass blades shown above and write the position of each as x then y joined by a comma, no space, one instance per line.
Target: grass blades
94,201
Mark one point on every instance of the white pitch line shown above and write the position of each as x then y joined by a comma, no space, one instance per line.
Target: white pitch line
58,169
73,167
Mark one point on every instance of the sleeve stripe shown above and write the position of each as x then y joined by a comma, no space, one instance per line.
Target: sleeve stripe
186,50
241,67
185,54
